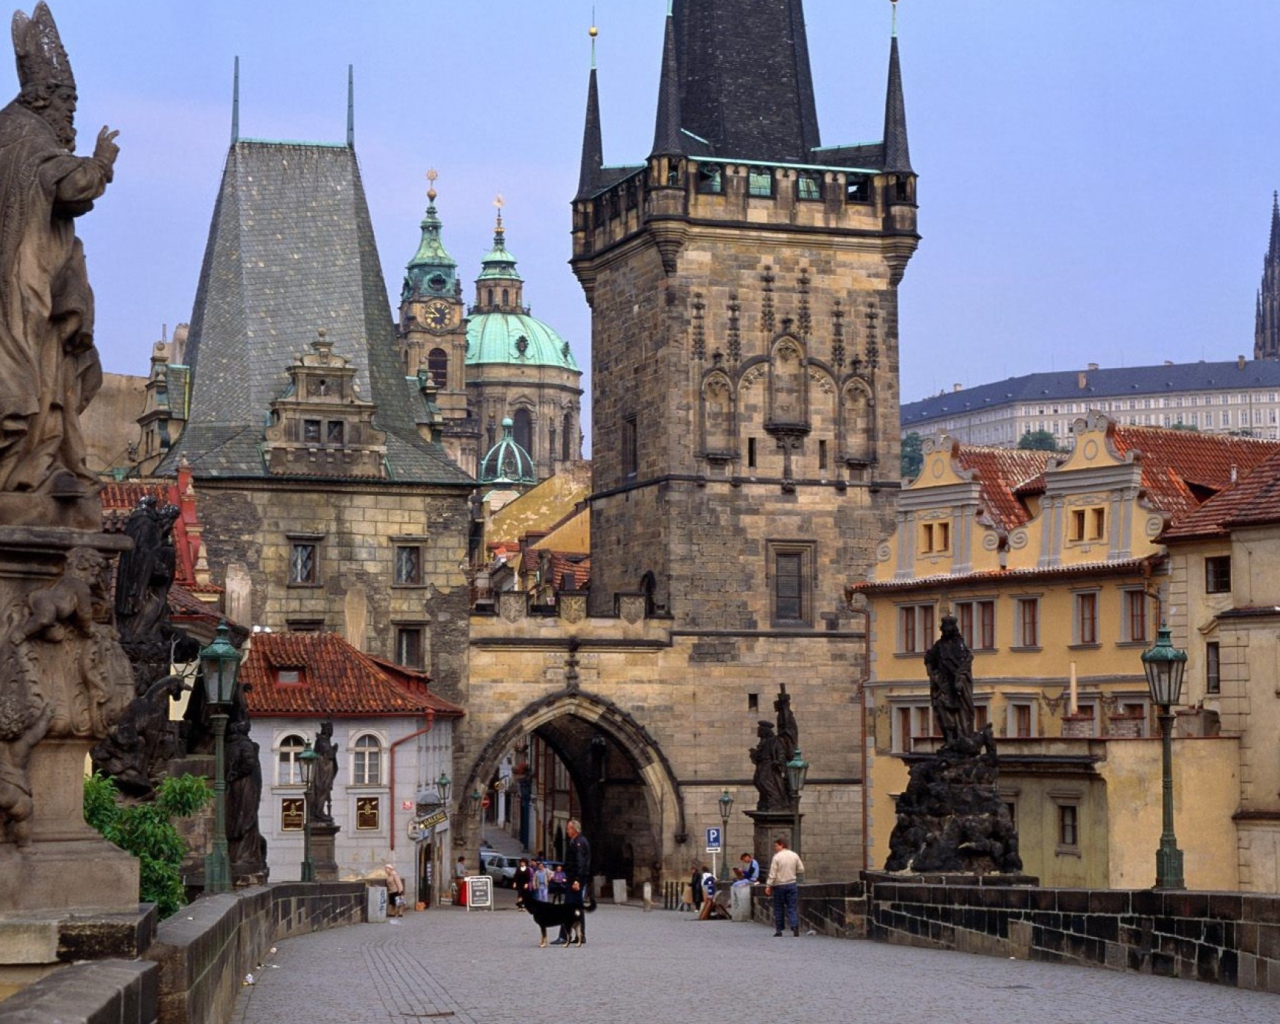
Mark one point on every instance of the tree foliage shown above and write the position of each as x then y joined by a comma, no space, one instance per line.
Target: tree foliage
1038,441
1185,426
912,455
146,830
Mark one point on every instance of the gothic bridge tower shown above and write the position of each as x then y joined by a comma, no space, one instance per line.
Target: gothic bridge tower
744,290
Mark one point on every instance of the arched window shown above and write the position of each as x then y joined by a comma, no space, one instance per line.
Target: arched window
289,769
490,300
522,430
506,297
366,762
567,440
438,367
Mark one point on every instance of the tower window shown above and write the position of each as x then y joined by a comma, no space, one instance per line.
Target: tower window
1217,574
506,297
490,298
710,179
438,367
409,646
630,452
566,450
1212,667
522,430
857,189
792,584
335,432
760,182
809,186
302,564
822,455
902,190
751,453
311,431
408,565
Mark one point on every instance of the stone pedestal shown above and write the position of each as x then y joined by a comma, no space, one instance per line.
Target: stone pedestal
768,826
322,846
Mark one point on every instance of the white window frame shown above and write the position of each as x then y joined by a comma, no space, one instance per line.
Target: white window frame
360,752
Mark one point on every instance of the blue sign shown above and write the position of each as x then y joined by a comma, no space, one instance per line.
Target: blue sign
713,840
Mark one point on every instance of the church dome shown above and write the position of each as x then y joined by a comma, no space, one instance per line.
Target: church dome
516,338
507,462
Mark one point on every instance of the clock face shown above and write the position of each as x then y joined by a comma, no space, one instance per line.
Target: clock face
439,315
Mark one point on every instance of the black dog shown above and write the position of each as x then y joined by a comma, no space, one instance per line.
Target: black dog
560,915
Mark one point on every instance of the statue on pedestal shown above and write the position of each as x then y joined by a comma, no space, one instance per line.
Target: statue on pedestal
325,770
771,770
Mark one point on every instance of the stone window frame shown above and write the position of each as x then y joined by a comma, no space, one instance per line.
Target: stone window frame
366,751
982,619
1213,666
923,618
1012,703
1217,574
403,628
1086,629
814,179
1068,822
1020,622
305,625
293,770
1129,596
900,740
406,544
297,541
630,447
806,551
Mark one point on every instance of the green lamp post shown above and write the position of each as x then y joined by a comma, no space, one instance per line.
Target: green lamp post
726,807
307,761
219,665
797,770
1164,665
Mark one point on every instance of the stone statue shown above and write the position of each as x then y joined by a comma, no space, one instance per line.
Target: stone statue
323,772
788,731
949,663
771,770
137,752
24,721
146,574
49,368
245,844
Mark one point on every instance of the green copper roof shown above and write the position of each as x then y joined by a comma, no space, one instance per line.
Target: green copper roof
516,338
432,271
497,262
507,462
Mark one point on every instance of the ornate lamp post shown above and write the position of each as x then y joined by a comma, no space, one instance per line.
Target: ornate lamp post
444,787
219,664
1164,665
726,807
307,761
476,798
797,770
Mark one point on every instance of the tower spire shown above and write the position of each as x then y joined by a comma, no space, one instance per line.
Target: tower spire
351,107
897,156
235,103
667,138
1266,331
592,144
1275,225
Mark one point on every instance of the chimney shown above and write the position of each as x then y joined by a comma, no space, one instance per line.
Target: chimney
1082,381
1092,366
1168,362
1239,362
957,387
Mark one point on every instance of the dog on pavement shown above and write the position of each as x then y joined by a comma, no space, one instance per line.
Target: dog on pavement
560,915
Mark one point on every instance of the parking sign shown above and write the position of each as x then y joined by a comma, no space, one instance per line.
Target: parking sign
713,840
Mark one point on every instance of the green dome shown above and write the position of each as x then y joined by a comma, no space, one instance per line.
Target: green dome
507,462
516,338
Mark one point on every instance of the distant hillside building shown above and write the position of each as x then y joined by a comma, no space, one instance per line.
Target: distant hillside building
1241,396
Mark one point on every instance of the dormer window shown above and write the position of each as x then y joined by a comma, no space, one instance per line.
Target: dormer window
287,676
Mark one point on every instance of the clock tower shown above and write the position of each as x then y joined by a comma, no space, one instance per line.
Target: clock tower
433,339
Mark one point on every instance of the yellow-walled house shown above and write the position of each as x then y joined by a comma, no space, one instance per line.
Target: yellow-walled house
1224,563
1054,568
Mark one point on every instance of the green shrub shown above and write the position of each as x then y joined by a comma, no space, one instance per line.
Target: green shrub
146,831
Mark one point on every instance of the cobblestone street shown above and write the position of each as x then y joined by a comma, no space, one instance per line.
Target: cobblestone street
665,968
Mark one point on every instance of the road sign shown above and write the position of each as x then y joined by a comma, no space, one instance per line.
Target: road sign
713,840
485,803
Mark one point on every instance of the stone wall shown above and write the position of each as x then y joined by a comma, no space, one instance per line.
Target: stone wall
192,973
1228,938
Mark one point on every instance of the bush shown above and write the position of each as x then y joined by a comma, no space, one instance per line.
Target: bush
146,831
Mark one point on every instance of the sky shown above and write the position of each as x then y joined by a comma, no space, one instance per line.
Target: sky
1095,177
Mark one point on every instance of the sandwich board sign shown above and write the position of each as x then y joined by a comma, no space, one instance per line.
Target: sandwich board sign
479,892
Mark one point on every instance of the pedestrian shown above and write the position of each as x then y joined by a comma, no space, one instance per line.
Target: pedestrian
558,884
707,881
523,881
577,878
460,880
783,885
749,873
395,892
695,887
541,880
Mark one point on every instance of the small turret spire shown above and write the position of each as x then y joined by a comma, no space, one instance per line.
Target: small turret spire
897,156
667,137
235,103
592,145
351,107
1275,225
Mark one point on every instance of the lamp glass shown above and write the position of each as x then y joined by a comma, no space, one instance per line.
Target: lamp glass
726,804
797,769
1164,666
306,761
443,785
220,664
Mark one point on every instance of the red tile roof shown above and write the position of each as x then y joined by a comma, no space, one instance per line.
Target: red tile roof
999,472
569,572
1121,567
1254,500
334,679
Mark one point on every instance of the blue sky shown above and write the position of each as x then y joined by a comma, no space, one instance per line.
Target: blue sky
1096,177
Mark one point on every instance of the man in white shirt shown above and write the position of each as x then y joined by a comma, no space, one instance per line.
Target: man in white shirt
785,869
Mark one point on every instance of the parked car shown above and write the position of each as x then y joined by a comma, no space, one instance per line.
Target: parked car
500,868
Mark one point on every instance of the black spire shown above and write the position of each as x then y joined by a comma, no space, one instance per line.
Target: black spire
897,157
1274,250
592,146
1266,331
667,138
745,83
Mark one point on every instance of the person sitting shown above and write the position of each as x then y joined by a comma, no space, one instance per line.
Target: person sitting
749,873
708,883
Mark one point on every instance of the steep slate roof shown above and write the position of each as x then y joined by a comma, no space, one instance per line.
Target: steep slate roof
290,251
1253,501
1122,382
1000,471
335,679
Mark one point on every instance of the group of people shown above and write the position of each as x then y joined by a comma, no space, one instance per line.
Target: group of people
540,879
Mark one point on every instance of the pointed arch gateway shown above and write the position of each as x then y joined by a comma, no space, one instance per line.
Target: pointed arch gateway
573,723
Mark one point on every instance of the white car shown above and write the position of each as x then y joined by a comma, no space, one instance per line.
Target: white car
500,868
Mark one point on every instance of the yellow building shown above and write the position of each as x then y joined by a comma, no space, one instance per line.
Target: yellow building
1055,573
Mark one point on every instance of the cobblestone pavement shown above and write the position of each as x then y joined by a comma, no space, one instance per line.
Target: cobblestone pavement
663,967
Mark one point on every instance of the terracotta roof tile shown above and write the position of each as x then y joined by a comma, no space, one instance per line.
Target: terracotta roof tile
999,472
334,679
569,572
1120,567
1254,500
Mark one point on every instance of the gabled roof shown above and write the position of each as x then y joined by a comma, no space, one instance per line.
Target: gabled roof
1000,471
1253,501
335,679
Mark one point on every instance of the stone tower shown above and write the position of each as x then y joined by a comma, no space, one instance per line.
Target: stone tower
743,284
1266,332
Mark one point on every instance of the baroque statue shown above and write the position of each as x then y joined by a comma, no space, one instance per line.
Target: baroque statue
49,368
771,754
949,663
323,773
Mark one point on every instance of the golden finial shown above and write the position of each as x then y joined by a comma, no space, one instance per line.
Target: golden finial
499,203
431,191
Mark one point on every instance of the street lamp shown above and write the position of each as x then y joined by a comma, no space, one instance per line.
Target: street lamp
797,770
307,761
219,664
476,798
1164,665
443,787
726,806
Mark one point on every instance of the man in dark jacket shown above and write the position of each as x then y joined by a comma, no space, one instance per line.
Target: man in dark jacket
577,873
